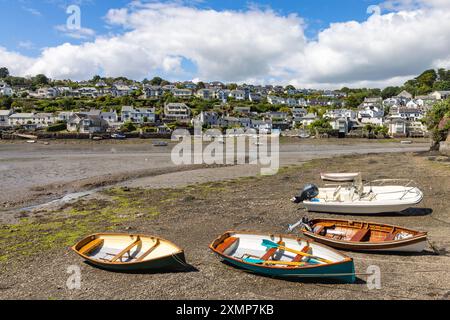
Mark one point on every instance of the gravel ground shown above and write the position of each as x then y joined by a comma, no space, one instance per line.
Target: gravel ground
34,256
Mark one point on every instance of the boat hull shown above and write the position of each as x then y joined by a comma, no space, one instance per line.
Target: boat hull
354,208
337,267
169,263
416,242
343,272
128,253
386,199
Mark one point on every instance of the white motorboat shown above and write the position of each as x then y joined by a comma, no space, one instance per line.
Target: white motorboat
377,196
339,177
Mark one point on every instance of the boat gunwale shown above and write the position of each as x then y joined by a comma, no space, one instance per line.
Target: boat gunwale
132,263
362,203
418,236
227,235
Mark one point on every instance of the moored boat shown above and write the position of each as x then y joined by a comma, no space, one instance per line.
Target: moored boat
363,236
125,252
283,256
359,199
339,177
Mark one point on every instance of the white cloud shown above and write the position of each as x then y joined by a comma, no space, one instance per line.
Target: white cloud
76,33
17,63
255,45
32,11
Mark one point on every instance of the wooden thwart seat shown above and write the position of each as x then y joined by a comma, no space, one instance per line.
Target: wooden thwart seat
299,257
145,255
127,249
91,246
390,237
271,252
226,244
360,235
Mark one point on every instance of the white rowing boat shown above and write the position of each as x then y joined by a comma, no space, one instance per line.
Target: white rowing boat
339,177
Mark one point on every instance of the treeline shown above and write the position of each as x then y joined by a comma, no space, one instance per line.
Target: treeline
429,81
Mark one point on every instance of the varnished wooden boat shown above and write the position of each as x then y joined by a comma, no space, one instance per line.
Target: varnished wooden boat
126,252
364,236
310,259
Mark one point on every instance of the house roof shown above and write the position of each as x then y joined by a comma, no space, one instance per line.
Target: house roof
22,115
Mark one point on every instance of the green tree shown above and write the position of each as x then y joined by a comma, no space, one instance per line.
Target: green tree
4,72
6,102
128,127
434,121
390,92
40,79
156,81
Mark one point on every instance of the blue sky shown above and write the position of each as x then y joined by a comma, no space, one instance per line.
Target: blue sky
34,21
306,43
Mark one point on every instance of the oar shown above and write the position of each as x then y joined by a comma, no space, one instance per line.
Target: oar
270,244
286,263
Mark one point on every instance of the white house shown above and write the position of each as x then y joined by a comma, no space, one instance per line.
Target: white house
404,95
237,95
298,112
396,126
110,116
341,113
88,92
254,97
206,118
121,90
138,115
425,102
5,89
44,119
18,119
177,111
153,92
440,95
412,114
84,123
182,93
275,100
305,120
47,92
4,117
65,115
263,126
340,124
206,94
371,115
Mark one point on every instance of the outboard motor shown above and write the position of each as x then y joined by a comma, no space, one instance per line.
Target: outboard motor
310,191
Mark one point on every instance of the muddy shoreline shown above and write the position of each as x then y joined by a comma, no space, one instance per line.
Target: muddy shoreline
38,173
35,261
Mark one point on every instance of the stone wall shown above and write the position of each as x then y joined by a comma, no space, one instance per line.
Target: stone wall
444,147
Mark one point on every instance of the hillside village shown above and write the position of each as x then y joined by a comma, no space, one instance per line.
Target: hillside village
160,106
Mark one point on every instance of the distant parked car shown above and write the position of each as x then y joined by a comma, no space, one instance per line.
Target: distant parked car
119,136
160,144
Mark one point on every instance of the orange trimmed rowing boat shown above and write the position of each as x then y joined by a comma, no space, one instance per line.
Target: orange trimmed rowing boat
364,236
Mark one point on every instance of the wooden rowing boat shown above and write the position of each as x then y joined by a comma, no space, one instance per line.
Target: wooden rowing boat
339,177
290,257
364,236
125,252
